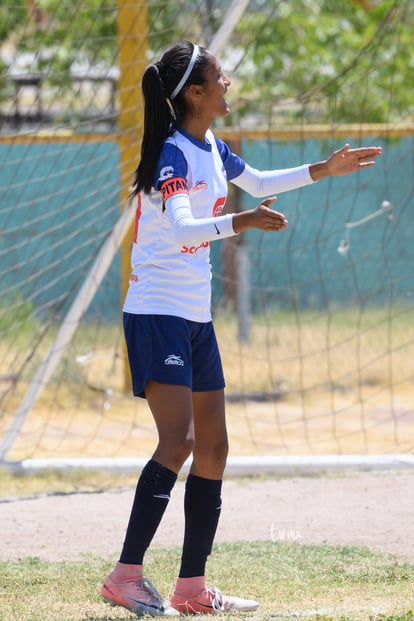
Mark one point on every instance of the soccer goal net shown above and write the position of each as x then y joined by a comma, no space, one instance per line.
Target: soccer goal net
315,325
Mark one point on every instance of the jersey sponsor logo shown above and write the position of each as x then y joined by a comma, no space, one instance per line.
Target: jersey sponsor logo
194,249
178,185
166,173
199,185
175,360
218,206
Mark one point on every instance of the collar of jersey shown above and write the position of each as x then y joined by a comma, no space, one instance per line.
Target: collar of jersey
206,146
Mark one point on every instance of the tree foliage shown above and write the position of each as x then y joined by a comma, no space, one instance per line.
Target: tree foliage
317,59
331,58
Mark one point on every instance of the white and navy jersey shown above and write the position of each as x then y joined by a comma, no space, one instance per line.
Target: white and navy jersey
170,274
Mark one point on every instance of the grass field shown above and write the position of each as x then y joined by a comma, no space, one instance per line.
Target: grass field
289,580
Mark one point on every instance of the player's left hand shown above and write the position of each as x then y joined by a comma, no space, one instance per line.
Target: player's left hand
347,160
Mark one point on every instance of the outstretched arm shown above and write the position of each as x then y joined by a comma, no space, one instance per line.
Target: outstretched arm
341,162
344,161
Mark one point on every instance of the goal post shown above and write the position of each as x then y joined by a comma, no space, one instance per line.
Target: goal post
68,327
132,37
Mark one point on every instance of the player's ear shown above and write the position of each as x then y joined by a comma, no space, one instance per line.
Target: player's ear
195,91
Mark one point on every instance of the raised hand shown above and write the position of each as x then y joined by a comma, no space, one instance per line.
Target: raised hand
345,161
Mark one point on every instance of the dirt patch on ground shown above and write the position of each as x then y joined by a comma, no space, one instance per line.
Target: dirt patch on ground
371,510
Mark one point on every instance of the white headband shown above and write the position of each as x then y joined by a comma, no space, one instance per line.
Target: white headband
187,72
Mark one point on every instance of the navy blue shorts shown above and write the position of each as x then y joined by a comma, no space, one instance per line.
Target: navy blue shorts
172,350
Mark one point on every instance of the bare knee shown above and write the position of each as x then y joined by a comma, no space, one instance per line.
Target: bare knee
172,451
220,450
172,409
210,461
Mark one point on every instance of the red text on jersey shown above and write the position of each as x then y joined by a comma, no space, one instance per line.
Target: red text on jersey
194,249
171,187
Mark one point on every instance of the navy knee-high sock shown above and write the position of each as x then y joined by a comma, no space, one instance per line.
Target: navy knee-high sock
202,504
151,500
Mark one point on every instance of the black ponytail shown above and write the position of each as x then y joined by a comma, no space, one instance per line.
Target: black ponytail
161,115
158,122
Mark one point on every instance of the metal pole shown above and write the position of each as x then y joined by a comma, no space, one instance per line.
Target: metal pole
223,34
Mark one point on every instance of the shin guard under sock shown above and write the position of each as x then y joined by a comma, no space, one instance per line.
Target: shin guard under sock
151,500
202,504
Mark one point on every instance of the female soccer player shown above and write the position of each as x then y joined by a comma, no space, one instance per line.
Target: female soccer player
181,187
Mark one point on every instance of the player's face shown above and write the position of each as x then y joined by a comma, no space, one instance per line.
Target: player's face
215,88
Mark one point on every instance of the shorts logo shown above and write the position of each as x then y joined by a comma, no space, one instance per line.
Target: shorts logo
173,359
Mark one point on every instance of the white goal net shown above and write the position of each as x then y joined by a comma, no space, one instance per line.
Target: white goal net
316,325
